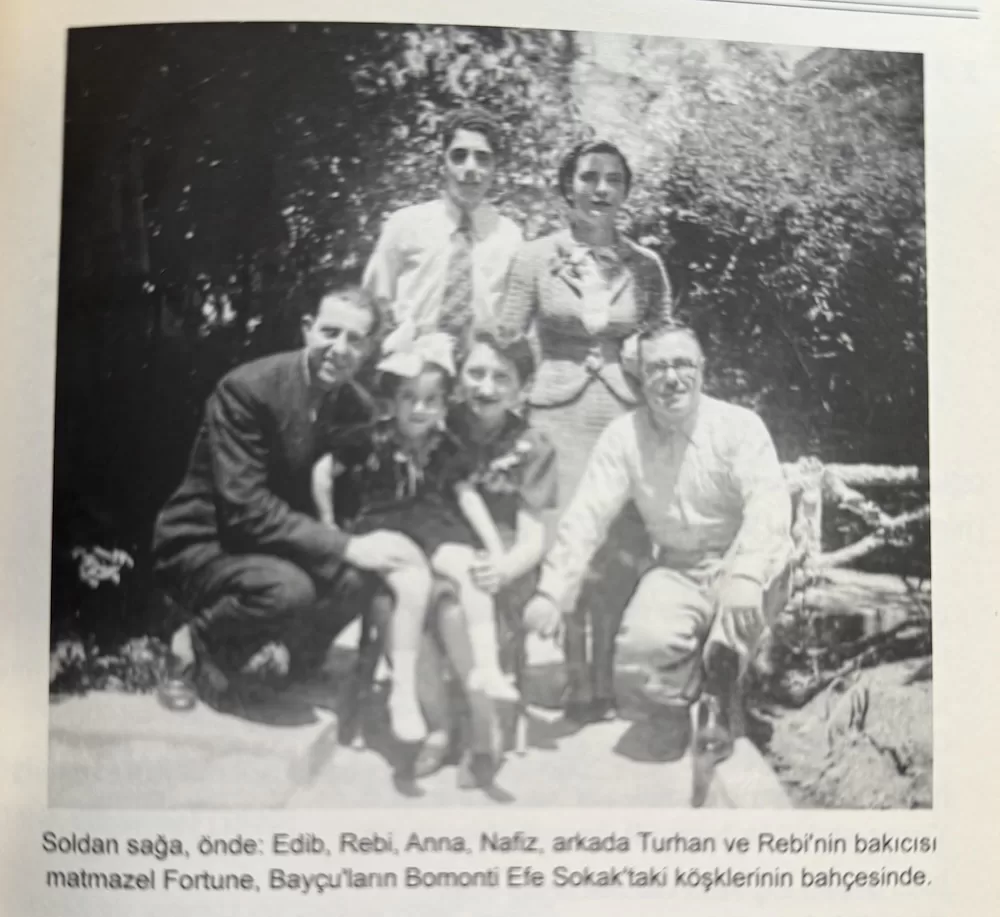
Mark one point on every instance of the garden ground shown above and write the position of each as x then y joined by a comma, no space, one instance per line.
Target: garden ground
864,741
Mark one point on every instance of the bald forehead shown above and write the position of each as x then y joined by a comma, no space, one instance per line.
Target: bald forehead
345,308
677,342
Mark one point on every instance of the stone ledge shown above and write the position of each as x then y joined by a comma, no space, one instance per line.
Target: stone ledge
126,752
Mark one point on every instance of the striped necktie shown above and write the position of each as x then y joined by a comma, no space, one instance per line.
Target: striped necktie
456,303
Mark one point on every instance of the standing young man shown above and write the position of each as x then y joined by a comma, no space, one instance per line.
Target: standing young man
441,265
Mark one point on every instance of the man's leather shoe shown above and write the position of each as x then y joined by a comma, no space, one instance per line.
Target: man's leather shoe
595,710
713,733
711,745
476,770
176,691
191,675
670,731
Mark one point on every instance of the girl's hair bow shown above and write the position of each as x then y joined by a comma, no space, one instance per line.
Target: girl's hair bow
406,353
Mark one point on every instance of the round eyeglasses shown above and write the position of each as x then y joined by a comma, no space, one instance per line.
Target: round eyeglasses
684,368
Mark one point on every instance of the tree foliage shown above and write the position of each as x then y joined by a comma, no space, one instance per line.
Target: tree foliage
792,203
212,170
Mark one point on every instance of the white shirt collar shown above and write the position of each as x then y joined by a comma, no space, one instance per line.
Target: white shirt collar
479,216
686,429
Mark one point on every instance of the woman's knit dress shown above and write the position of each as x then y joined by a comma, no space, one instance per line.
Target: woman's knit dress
580,306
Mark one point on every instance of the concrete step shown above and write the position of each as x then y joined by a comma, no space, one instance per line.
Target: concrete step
125,751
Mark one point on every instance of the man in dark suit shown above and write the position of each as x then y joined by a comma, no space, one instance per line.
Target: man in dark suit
238,545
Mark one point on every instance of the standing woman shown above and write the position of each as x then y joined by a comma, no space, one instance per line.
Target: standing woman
584,291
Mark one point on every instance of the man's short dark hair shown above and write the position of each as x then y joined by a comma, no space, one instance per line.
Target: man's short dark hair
516,350
471,119
567,168
346,284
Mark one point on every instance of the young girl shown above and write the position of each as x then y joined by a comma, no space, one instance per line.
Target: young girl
404,474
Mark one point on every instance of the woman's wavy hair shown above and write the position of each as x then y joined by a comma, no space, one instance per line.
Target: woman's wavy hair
517,351
567,168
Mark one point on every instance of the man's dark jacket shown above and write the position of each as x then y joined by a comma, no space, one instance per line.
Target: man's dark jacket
247,487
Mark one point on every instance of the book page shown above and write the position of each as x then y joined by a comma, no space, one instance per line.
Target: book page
695,299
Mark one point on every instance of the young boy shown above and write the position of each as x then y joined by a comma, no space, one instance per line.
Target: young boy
512,468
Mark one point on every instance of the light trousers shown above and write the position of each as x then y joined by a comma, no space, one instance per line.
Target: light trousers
672,618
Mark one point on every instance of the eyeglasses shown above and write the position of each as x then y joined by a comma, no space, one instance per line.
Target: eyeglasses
683,367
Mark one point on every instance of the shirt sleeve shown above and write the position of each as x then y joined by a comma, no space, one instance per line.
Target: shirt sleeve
539,484
250,513
602,493
382,271
764,536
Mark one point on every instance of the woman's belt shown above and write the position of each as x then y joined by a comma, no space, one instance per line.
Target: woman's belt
561,382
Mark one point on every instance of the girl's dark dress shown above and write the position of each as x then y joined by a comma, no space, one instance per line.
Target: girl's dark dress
382,487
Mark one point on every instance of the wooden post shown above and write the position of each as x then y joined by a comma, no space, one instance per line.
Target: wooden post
807,529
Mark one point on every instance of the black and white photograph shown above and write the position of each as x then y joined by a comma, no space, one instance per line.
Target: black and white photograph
475,416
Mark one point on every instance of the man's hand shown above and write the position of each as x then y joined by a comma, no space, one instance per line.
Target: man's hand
489,572
382,552
741,613
542,616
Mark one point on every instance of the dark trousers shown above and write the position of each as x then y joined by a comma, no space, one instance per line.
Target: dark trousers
612,579
238,603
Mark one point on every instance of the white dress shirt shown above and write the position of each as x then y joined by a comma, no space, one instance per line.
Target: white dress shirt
712,489
406,272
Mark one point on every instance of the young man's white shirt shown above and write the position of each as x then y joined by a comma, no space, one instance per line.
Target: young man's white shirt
407,271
